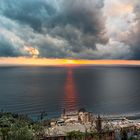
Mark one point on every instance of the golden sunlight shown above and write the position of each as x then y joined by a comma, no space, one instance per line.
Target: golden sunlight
32,51
62,62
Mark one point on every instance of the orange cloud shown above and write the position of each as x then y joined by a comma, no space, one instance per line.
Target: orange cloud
117,8
32,51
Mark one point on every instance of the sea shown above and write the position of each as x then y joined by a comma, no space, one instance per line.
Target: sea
106,90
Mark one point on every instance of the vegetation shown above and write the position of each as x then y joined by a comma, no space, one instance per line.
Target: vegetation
19,127
77,135
124,134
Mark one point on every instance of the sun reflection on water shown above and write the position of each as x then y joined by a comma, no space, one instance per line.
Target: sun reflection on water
70,97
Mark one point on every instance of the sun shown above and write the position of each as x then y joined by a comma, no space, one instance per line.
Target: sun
69,61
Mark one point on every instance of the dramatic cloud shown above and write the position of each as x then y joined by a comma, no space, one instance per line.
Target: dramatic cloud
133,36
87,29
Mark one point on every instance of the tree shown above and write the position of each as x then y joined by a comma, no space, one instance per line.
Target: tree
75,135
123,134
38,130
43,114
5,124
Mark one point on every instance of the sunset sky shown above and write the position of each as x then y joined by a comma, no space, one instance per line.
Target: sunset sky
52,32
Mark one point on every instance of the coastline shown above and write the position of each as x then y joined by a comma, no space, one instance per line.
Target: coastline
80,122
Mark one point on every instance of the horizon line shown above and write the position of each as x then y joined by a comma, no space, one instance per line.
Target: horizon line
19,61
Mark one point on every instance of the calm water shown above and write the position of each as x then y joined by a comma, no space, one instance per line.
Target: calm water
109,90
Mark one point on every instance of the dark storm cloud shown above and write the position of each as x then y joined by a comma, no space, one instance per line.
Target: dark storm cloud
81,23
57,28
65,28
8,49
32,12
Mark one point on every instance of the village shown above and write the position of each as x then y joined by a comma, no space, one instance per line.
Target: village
83,125
75,125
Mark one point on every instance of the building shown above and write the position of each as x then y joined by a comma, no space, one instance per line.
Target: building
81,116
